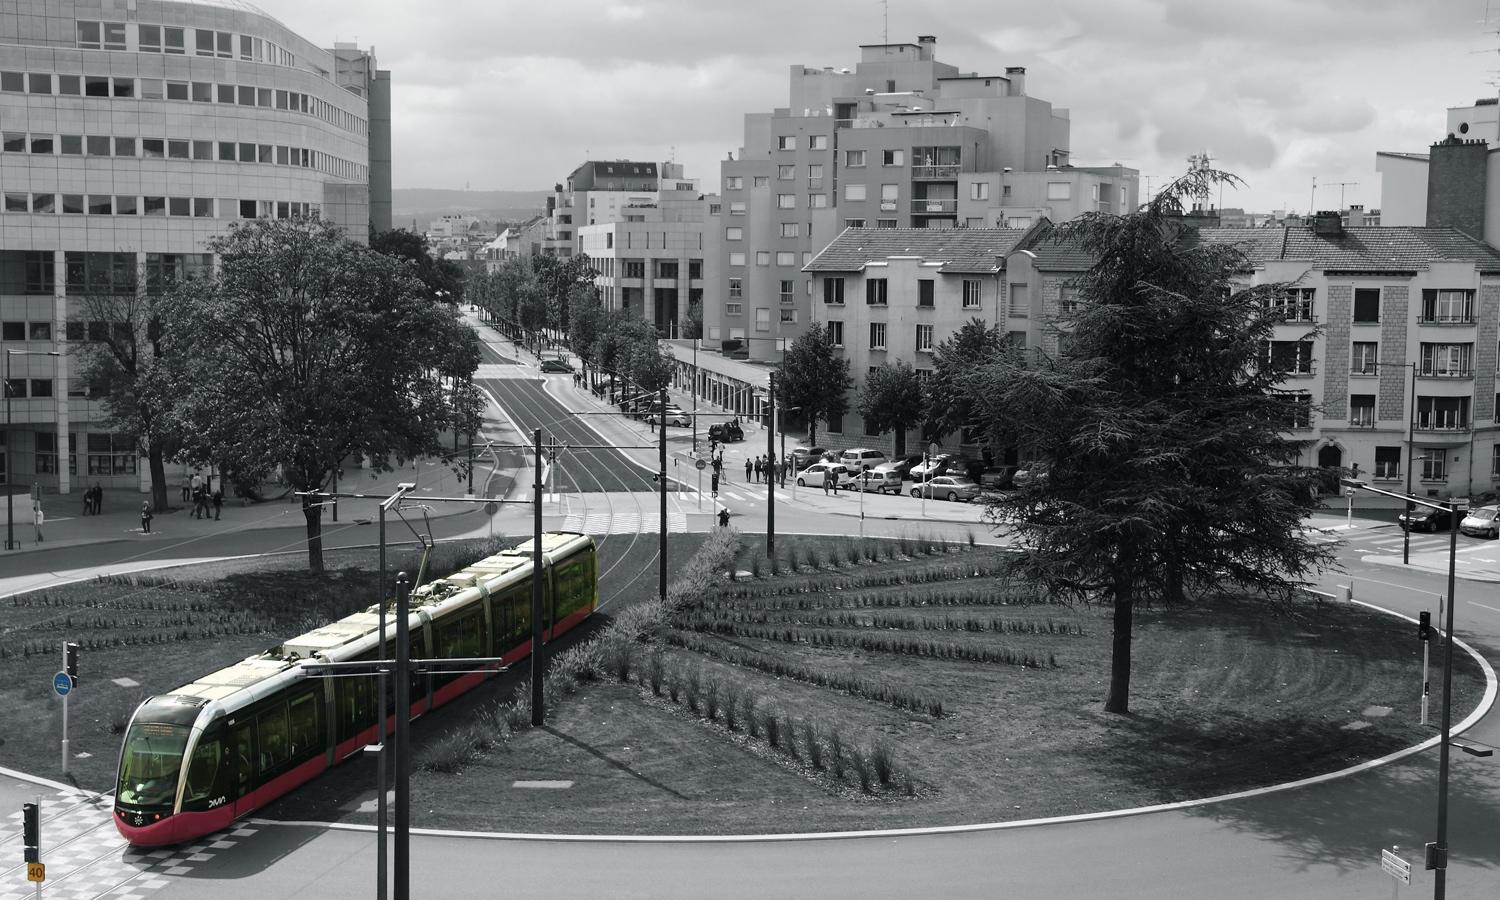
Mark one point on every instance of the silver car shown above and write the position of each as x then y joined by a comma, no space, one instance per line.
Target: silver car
1482,522
946,487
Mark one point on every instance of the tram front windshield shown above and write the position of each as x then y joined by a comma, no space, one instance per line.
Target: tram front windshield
150,764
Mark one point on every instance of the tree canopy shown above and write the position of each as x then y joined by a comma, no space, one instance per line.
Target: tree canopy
892,399
442,279
814,379
1163,429
306,348
949,409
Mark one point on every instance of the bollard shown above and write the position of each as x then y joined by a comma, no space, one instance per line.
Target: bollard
1349,592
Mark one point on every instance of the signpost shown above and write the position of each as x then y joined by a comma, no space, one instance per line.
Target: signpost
1395,866
62,683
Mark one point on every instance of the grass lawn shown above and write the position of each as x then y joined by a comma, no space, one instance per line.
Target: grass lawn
819,692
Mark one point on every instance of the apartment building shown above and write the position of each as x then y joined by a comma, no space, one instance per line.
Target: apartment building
132,134
1391,334
617,190
901,141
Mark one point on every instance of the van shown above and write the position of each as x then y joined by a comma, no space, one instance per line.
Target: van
860,459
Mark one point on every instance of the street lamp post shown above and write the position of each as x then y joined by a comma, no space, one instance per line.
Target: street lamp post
1437,855
1411,462
10,470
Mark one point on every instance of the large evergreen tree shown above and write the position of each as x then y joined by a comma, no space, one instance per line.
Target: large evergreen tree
1163,428
814,379
306,348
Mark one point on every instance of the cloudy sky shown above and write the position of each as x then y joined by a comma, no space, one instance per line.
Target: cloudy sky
512,95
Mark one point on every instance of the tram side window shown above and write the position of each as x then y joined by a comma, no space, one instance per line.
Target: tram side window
356,705
205,769
462,637
575,585
270,727
306,721
518,604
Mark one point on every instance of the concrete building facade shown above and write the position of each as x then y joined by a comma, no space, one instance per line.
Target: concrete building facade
901,141
132,134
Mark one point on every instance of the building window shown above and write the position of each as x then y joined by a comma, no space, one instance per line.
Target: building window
836,334
854,192
786,142
817,201
762,257
713,210
1067,300
1495,461
734,183
786,258
815,173
734,234
736,207
633,268
924,338
1367,305
1362,410
736,259
1443,413
1447,307
1299,410
854,159
833,291
1388,462
1292,305
979,190
877,335
1059,190
854,223
695,268
788,292
666,268
734,309
889,194
925,292
817,142
1290,357
885,223
762,320
790,229
789,317
111,454
875,291
893,157
973,293
1448,360
761,181
1364,358
1016,339
1020,301
786,173
786,201
1434,464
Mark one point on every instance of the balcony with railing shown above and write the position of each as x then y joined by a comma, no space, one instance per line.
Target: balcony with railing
1445,318
939,207
947,170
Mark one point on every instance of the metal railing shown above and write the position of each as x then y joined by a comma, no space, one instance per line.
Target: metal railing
949,170
933,206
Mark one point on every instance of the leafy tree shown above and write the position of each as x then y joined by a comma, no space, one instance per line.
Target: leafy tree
1162,428
811,376
442,279
561,281
647,363
892,400
306,348
949,410
692,326
121,361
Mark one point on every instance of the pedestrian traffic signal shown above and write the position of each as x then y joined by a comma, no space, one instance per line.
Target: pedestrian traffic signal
31,828
1424,626
70,661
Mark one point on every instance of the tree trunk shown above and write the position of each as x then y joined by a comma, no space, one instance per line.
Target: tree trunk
812,432
1118,700
156,461
312,511
900,445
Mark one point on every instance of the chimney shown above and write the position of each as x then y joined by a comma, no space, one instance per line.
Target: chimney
1017,77
1456,172
926,46
1327,222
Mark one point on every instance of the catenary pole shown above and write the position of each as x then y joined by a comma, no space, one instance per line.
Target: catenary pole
771,455
537,663
402,865
662,453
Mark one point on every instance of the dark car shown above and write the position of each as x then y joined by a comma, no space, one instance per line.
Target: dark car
1425,518
726,432
555,365
901,465
998,478
802,457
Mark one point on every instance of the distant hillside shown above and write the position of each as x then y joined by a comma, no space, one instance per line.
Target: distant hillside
426,204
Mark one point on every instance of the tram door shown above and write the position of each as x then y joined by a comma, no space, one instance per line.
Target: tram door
243,741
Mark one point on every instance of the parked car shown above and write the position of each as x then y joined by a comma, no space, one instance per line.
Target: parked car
1482,522
726,432
860,459
556,365
815,474
941,464
879,479
1425,518
674,415
998,478
1025,476
802,457
1488,498
901,465
946,487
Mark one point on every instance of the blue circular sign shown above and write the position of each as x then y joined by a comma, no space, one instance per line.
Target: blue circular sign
62,684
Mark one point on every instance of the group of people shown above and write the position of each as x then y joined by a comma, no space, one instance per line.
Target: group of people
93,499
764,469
201,494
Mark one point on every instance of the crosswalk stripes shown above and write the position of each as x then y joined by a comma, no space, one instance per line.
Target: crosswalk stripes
625,523
87,858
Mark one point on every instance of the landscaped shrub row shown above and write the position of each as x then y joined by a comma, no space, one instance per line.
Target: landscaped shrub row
879,692
886,576
887,643
726,703
701,621
1000,593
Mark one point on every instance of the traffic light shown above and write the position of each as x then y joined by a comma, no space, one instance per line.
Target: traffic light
31,816
70,661
1424,625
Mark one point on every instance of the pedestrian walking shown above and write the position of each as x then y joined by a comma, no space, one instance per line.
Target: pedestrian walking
38,517
88,501
724,517
827,481
187,489
146,517
781,472
748,467
98,498
757,469
219,502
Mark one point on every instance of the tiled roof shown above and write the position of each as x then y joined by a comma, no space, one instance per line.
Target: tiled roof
1361,248
960,250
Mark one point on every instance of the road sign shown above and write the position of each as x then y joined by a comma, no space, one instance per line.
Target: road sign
36,872
491,508
1349,492
1395,866
701,464
62,684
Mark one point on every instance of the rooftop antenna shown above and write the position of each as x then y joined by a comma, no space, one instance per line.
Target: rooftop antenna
885,36
1312,202
1341,186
